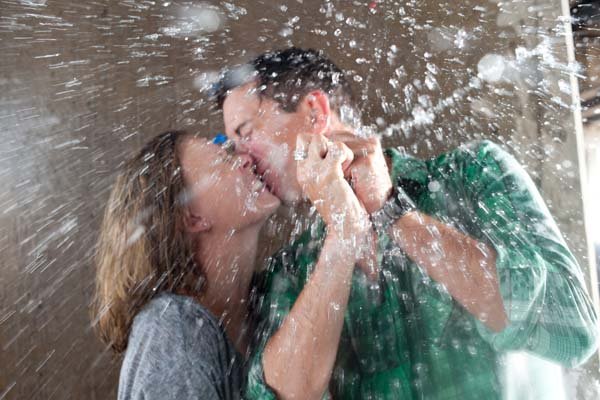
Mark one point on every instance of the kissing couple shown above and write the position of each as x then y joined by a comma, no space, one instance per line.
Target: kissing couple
413,281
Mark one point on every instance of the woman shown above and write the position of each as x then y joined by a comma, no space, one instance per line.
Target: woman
176,259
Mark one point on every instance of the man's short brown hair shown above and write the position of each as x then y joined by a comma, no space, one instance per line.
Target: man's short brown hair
288,75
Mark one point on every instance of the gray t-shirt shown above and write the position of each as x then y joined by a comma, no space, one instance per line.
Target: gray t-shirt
178,350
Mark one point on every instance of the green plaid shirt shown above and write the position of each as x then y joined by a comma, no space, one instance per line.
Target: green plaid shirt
405,337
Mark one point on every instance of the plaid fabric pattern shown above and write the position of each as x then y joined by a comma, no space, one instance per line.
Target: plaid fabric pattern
405,337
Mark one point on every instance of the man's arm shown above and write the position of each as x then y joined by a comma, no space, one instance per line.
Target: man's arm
540,283
549,309
299,358
519,276
465,266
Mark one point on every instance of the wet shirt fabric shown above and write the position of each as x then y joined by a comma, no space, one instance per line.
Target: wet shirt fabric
178,350
405,337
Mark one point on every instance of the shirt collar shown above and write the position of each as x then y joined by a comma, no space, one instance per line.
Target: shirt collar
407,168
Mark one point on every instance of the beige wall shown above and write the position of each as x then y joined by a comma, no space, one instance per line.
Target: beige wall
83,84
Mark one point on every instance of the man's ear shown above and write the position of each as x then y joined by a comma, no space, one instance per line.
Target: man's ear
317,103
194,223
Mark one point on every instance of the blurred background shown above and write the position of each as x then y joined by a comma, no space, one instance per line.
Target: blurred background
83,84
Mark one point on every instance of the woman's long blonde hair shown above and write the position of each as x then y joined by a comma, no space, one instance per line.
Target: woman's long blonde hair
143,248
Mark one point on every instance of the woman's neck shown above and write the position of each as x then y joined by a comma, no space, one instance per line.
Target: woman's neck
228,259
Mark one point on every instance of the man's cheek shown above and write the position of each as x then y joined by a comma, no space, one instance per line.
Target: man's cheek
275,155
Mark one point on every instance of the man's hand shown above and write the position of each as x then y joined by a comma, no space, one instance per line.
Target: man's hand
370,179
368,173
321,177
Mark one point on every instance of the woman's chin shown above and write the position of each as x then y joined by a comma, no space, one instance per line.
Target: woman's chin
268,202
260,207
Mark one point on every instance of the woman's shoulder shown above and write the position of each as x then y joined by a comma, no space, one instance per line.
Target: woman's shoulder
176,349
169,311
176,329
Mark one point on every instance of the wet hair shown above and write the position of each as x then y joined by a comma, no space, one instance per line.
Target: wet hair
143,249
287,76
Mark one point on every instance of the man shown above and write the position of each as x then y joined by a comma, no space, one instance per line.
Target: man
466,261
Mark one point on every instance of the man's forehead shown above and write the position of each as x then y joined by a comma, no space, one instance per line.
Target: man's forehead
241,103
246,94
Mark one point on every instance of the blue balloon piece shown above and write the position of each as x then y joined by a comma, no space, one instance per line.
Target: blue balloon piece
219,138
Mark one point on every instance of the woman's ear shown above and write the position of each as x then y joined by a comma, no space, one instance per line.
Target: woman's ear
194,223
317,103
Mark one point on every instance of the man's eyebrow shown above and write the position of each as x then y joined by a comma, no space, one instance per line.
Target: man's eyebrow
239,128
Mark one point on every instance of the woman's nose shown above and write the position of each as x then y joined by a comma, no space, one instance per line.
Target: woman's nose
241,145
245,161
